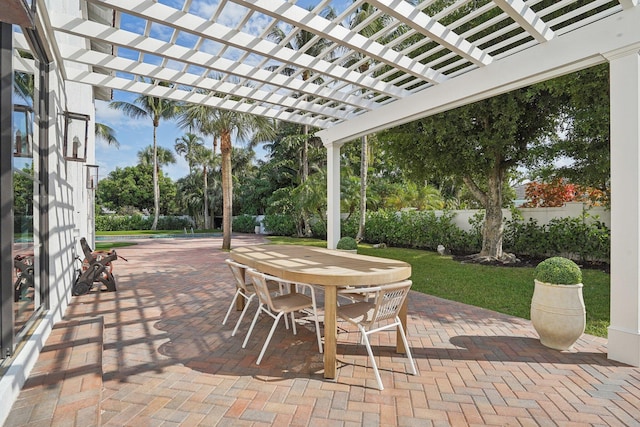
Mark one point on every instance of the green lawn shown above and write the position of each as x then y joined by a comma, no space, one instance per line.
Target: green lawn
504,289
107,246
147,232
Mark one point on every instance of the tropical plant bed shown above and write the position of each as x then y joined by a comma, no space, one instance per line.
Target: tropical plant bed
528,261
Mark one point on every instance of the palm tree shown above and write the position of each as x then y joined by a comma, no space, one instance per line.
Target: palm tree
199,117
424,197
361,15
204,157
157,109
299,42
187,145
189,195
163,156
107,133
226,124
364,168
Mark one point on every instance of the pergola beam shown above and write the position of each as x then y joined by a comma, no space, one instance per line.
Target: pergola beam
579,49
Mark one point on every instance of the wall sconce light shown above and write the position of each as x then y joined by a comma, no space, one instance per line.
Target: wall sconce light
92,176
76,135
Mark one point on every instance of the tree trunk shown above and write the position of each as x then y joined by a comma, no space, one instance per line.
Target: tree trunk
156,186
227,189
206,198
492,230
364,166
305,176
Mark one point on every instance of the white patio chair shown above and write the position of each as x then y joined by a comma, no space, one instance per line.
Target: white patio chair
386,304
281,305
244,289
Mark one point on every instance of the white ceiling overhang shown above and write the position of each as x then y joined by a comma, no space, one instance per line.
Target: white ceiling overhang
324,72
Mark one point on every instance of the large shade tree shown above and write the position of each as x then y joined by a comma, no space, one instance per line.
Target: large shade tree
156,109
131,187
480,143
584,144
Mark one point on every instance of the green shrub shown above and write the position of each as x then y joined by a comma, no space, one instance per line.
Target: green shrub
139,222
347,243
349,226
319,229
245,223
280,225
420,229
587,240
559,271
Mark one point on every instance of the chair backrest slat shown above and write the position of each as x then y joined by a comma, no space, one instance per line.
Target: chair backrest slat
259,281
238,270
389,300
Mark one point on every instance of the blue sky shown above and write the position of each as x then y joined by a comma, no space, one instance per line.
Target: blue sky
134,135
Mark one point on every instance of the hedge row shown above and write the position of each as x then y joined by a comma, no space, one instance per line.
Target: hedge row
139,222
582,238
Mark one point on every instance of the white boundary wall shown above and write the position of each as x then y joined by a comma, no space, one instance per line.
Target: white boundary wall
542,215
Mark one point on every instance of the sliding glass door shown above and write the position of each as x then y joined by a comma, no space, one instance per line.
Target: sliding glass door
23,132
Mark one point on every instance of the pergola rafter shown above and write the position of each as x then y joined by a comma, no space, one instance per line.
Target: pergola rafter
226,48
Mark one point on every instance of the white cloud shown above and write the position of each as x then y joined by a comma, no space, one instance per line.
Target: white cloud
117,118
204,8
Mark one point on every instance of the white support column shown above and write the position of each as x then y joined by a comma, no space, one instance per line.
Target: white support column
624,331
333,194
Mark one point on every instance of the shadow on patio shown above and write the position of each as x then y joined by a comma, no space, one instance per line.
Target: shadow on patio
166,359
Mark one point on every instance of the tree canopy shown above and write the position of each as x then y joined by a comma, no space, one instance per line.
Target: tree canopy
480,144
132,186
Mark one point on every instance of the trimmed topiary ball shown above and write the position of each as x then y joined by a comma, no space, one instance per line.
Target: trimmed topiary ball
559,271
347,243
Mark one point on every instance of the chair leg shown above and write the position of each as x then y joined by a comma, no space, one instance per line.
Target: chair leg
266,343
244,310
293,323
373,360
253,323
406,346
233,302
315,316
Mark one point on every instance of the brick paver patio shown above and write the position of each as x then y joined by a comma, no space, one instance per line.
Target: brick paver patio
154,353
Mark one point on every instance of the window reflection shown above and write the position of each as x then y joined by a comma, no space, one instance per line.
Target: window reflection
26,295
23,131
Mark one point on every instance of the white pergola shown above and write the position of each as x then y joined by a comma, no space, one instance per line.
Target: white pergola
429,58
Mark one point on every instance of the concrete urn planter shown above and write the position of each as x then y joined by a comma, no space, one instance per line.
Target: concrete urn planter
558,314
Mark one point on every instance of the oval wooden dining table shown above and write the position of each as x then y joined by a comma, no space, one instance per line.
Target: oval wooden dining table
330,269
